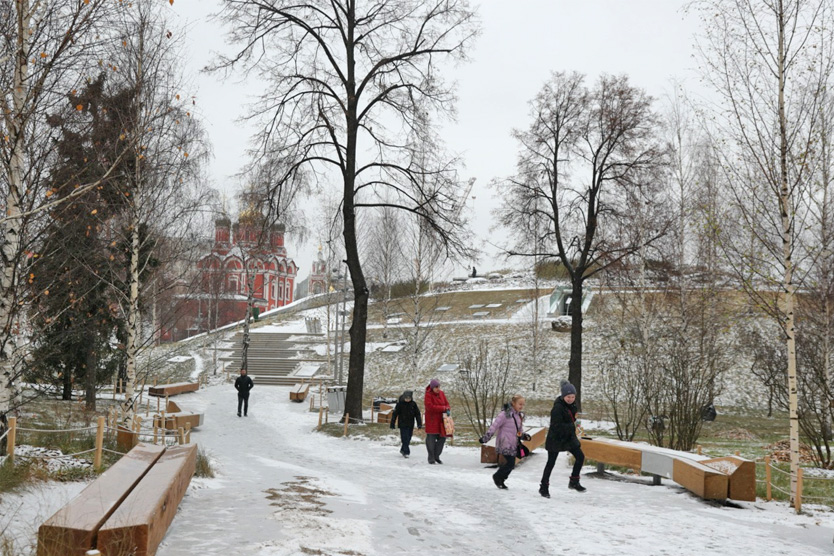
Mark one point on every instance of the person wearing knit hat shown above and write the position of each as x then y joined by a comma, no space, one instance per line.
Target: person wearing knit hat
561,437
405,413
436,405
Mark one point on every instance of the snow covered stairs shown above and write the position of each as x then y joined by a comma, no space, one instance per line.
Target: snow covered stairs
127,509
275,356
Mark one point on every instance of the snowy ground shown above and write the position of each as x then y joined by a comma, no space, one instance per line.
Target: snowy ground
282,489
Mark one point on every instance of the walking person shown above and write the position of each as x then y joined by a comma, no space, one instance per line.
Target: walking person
562,438
243,384
508,431
436,405
405,413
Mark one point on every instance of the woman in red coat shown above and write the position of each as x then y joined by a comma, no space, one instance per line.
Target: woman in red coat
436,405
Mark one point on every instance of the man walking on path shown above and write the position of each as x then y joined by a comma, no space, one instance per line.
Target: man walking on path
243,384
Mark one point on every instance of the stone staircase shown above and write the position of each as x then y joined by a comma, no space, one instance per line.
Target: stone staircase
273,356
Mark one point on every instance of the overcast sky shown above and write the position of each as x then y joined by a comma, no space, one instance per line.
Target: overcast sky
522,41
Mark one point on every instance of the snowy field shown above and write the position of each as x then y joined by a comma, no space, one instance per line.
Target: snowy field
283,489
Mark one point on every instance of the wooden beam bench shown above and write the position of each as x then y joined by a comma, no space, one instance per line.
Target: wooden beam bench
72,530
146,484
140,522
384,413
298,393
162,390
711,479
538,435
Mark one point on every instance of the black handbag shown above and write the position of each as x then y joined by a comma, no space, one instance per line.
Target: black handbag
522,451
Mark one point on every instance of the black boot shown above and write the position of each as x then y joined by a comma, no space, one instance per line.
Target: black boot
574,484
544,490
499,483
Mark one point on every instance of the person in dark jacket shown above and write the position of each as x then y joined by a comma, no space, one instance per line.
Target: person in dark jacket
405,413
561,437
243,384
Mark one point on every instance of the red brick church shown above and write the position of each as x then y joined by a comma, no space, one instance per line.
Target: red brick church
224,284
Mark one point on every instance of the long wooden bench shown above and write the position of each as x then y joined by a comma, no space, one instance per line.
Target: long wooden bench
139,523
162,390
538,435
298,393
133,486
72,529
711,479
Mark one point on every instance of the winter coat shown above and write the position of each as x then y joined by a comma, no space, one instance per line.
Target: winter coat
243,384
561,436
405,413
505,428
436,406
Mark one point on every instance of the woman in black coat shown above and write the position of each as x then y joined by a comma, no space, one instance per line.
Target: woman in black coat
405,413
561,437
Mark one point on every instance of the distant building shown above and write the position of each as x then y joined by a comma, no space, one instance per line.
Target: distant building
224,282
316,282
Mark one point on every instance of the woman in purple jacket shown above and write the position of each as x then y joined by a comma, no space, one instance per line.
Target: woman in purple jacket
507,428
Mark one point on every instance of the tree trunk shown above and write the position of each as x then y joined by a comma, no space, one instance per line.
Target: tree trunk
11,231
90,378
575,364
785,207
131,349
250,303
358,327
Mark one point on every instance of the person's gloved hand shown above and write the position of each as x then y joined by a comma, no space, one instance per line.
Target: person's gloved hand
448,411
526,437
392,426
483,439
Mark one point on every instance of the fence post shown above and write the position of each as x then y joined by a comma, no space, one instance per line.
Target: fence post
181,436
99,443
699,449
372,411
320,410
155,432
767,477
10,438
311,402
115,383
347,420
798,499
188,433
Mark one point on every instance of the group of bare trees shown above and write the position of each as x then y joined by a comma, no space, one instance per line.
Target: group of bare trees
98,185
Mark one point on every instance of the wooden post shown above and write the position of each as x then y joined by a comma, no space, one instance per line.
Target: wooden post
319,426
738,453
181,436
327,416
311,402
157,404
699,449
372,411
767,477
188,433
99,443
166,402
115,382
798,499
347,420
121,385
155,432
11,437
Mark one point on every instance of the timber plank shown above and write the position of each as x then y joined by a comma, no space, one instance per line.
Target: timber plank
612,453
163,390
742,476
704,481
142,519
299,392
72,530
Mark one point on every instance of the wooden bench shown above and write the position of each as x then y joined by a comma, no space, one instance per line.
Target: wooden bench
176,417
127,509
163,390
139,523
384,413
72,530
298,393
711,479
538,435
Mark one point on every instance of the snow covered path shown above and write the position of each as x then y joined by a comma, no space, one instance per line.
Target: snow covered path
283,490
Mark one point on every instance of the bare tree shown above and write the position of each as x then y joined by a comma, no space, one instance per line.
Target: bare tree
770,62
584,150
43,46
485,383
348,83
